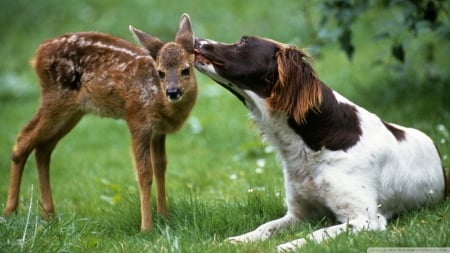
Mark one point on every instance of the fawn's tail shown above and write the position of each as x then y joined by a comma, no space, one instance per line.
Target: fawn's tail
33,62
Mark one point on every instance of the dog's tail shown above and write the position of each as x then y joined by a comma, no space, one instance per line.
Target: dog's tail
447,185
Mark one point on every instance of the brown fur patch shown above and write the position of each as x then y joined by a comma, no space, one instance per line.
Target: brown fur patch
398,133
297,90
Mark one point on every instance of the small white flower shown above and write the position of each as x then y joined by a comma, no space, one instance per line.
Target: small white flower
233,176
269,149
259,170
196,126
261,163
237,158
260,188
441,128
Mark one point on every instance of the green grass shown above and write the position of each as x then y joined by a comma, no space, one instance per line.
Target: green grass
214,188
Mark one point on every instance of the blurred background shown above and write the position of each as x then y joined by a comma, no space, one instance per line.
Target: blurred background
403,41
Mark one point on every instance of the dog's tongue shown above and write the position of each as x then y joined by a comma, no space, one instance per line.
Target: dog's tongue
200,58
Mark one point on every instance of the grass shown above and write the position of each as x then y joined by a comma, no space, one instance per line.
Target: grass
222,180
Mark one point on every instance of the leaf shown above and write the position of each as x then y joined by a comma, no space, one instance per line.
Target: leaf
398,52
430,12
345,40
381,36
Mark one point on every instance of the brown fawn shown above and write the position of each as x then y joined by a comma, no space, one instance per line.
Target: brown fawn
96,73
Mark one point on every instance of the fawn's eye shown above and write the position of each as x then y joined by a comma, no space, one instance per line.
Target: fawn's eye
161,74
186,71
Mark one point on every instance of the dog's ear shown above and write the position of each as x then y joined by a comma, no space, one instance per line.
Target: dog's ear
298,88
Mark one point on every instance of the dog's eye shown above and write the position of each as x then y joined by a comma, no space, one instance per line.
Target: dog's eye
242,42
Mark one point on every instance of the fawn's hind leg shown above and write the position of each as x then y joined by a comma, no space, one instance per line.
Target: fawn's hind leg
41,133
43,154
25,143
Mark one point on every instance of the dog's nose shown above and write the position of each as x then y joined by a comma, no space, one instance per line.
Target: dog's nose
202,44
174,94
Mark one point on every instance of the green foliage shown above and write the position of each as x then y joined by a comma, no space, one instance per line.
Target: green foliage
400,21
345,13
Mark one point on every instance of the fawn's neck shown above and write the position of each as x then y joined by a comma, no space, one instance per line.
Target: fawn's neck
175,114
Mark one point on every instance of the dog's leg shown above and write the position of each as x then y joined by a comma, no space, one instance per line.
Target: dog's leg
354,206
353,226
159,160
265,230
317,236
298,208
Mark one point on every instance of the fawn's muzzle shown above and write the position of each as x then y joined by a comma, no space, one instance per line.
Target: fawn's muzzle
174,94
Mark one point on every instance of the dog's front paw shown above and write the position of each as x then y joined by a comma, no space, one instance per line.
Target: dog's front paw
290,246
236,239
248,237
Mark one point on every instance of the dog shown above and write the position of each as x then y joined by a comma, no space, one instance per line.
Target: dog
339,160
153,88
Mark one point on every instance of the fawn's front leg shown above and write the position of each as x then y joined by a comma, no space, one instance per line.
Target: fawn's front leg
141,151
159,161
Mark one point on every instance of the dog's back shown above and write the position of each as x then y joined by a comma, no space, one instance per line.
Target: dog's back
403,163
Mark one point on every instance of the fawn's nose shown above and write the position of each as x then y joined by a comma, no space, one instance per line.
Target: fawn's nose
174,94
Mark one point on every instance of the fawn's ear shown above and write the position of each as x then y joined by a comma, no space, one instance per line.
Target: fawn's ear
149,42
185,36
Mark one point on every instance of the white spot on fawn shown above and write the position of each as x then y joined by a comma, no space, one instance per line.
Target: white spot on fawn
72,38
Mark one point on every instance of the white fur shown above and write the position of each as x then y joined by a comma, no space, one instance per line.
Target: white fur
362,186
82,42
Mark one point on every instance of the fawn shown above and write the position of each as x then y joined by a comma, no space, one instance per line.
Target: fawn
96,73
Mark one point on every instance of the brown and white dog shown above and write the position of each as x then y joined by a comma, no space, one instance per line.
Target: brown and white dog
338,159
